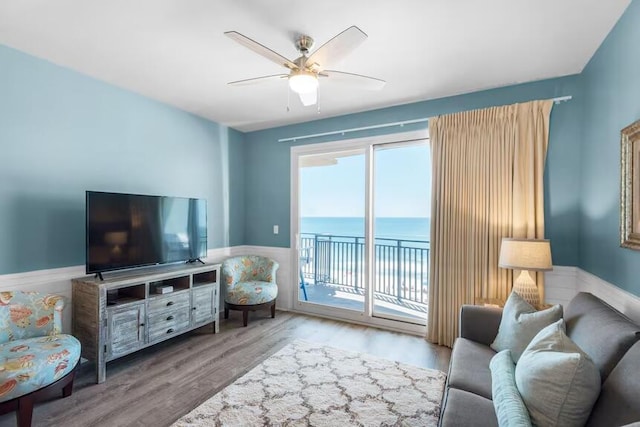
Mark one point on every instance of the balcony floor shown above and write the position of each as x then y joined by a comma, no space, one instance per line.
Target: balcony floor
347,297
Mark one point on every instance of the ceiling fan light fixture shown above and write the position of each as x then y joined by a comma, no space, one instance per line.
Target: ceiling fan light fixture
303,81
304,72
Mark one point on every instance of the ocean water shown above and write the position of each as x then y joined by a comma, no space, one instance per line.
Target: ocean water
401,254
385,228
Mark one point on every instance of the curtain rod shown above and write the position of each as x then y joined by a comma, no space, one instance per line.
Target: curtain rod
556,100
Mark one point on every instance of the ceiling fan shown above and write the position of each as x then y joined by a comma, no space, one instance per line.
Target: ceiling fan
305,71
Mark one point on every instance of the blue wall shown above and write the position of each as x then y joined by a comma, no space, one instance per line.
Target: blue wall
267,185
62,133
612,101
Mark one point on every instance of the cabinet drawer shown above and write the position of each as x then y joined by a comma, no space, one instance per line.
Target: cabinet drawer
166,303
168,324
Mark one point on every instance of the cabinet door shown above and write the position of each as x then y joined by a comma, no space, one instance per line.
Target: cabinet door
203,304
126,329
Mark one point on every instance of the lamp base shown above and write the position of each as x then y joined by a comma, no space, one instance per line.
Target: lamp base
526,288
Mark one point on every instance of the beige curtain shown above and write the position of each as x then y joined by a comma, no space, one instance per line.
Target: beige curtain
488,170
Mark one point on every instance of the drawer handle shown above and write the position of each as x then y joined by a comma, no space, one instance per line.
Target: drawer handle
194,308
169,303
169,330
141,324
170,318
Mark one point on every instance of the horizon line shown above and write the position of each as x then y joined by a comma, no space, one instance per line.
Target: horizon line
325,216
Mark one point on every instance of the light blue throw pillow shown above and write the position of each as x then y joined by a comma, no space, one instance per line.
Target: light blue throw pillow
558,382
510,409
520,323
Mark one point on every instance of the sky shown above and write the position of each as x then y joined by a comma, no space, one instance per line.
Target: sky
402,185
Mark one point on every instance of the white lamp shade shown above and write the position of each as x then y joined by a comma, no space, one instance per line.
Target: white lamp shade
303,82
526,254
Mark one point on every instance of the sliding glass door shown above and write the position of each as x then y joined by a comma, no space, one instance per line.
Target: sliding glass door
360,218
332,230
401,209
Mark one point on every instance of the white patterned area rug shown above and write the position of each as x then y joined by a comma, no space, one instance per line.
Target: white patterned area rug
307,384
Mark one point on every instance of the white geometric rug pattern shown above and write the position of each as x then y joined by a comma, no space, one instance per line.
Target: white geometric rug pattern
311,384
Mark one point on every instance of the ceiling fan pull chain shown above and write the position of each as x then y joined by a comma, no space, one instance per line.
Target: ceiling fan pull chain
288,98
318,100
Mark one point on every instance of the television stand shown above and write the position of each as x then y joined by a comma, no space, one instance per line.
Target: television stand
194,260
99,276
131,311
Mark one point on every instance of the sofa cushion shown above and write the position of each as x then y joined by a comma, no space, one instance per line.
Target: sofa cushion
30,364
480,323
520,323
600,331
469,368
557,381
510,409
252,292
619,401
467,409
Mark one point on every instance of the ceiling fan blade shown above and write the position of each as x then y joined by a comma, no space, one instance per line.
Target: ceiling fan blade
255,80
309,98
356,80
337,48
261,49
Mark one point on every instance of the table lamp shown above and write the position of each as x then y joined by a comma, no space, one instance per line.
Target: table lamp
526,255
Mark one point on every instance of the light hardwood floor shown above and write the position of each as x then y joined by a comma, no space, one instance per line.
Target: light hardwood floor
158,385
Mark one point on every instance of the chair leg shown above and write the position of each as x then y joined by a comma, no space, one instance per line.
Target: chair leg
226,311
67,390
25,411
303,285
245,317
273,310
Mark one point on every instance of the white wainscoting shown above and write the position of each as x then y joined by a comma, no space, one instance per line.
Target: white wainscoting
621,300
283,277
58,281
561,284
54,281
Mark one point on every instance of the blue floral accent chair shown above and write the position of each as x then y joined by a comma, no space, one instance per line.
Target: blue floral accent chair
250,284
37,361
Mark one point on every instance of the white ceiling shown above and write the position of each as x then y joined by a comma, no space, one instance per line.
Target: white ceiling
175,51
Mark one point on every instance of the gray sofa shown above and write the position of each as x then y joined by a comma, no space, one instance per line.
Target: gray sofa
607,336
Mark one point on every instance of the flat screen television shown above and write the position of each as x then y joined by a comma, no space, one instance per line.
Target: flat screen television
131,230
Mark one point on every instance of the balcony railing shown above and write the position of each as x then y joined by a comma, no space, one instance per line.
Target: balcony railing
401,267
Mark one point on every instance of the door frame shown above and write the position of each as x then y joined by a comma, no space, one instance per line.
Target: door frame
367,144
